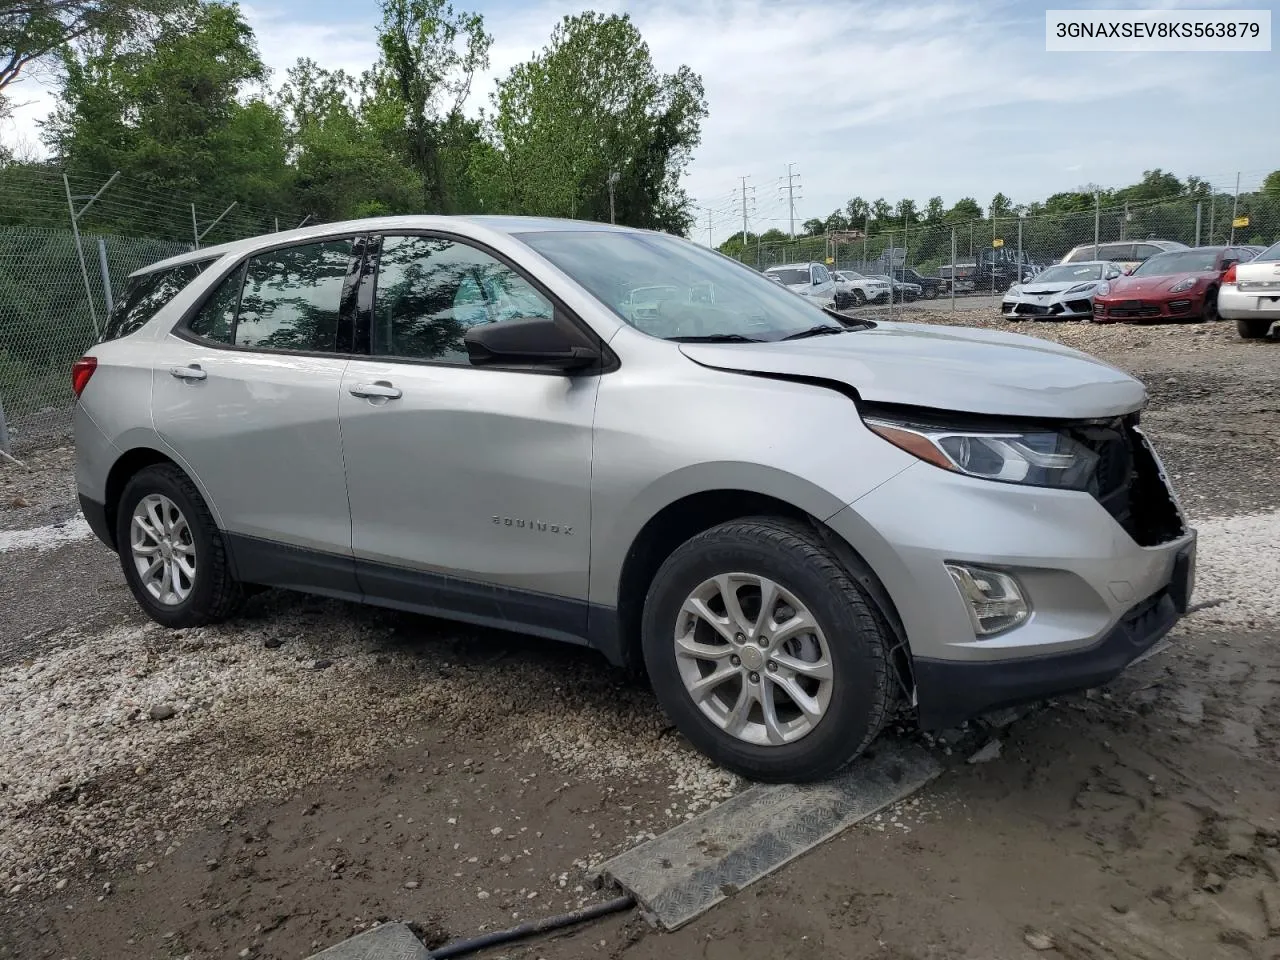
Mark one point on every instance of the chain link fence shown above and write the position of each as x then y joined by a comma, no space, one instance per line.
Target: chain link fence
992,253
67,247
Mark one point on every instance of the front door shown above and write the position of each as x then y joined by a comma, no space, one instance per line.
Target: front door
246,391
469,486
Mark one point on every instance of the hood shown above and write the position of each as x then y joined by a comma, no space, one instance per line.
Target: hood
945,368
1031,288
1149,286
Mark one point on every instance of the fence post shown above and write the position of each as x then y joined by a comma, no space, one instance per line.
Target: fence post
1199,207
1213,201
84,269
106,274
4,432
889,253
1097,220
953,269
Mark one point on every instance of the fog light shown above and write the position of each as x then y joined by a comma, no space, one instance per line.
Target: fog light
994,599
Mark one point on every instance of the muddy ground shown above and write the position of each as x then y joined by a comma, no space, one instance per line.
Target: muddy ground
270,786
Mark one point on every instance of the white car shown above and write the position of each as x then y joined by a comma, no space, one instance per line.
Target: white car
1250,294
859,289
1064,291
811,280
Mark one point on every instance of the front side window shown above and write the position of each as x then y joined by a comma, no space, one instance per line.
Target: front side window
430,291
706,295
146,295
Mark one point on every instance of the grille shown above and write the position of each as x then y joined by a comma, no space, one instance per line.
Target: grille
1134,308
1128,484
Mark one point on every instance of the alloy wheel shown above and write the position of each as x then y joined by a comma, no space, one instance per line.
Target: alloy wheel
164,553
754,659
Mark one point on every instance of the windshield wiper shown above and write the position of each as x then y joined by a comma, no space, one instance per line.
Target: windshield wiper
820,330
717,338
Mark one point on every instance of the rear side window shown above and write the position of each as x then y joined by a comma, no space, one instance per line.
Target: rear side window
146,295
285,299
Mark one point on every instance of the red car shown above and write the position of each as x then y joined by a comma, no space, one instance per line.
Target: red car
1178,285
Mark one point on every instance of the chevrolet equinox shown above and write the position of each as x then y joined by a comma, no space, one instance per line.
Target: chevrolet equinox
795,523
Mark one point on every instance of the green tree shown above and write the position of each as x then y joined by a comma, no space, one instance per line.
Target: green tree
934,209
906,211
177,113
1001,206
1271,185
814,227
32,31
589,106
857,211
413,95
966,208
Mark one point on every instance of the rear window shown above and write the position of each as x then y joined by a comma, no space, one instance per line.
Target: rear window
146,295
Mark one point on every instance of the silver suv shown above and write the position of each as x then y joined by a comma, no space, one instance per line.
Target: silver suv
795,523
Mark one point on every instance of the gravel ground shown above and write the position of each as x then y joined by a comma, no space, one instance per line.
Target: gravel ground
269,786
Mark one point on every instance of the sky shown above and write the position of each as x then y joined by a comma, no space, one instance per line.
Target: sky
913,99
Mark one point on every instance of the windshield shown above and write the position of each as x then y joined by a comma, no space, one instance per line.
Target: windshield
669,287
1180,261
791,275
1065,273
1271,253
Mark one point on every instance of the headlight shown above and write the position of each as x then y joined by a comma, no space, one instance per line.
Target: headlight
1182,285
1082,287
1102,289
1038,458
1014,291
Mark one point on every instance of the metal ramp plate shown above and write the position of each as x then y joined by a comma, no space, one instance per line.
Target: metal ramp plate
693,866
388,941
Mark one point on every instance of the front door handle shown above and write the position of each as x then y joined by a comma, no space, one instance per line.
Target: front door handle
378,390
190,372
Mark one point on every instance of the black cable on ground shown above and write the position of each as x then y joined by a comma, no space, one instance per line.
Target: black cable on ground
462,947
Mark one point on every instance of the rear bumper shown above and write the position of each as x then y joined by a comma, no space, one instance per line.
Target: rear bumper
1234,304
951,691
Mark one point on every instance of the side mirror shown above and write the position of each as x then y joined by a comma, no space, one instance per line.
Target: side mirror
527,341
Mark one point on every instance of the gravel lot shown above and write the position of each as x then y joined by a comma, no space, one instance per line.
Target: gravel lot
272,785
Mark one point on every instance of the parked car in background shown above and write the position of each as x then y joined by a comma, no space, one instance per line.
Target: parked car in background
859,289
930,287
1250,293
1180,285
812,280
1064,291
1127,254
796,526
902,291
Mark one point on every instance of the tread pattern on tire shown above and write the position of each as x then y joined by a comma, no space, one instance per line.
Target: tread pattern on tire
226,594
805,546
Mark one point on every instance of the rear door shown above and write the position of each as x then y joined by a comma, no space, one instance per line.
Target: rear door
470,487
246,395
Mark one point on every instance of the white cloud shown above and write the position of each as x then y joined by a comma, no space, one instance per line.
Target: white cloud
912,100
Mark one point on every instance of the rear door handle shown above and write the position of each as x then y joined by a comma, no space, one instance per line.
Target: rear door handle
379,389
190,372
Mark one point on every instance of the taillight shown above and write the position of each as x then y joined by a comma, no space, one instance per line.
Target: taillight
1230,275
81,371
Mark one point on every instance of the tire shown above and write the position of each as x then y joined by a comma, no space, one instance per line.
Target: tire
212,594
851,640
859,298
1253,328
931,293
1209,311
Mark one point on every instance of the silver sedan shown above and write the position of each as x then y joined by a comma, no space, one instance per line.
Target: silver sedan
1062,292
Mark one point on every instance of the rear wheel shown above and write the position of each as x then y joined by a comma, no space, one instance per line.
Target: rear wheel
1253,328
172,553
765,653
931,292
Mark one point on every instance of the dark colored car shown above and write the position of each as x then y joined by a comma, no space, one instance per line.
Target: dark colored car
930,287
1177,285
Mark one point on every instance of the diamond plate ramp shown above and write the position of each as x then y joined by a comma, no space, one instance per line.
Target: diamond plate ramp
694,866
388,941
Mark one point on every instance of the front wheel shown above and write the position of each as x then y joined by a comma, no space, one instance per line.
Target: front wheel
765,653
171,551
1209,311
931,293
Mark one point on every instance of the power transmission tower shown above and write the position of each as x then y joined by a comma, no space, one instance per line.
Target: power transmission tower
745,190
792,186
